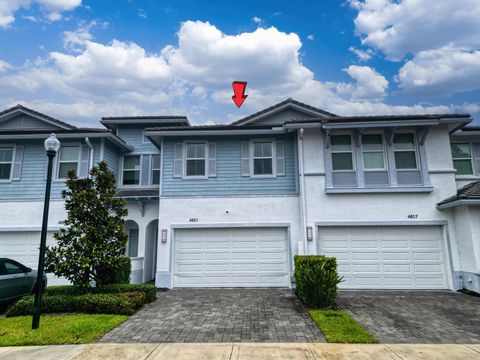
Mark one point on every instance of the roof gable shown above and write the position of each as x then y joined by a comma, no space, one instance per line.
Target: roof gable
20,118
284,111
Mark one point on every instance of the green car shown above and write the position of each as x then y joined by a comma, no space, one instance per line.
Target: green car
16,280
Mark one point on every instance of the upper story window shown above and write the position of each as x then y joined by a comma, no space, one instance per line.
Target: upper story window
155,170
462,158
6,160
68,159
405,152
131,170
342,152
373,153
195,160
262,158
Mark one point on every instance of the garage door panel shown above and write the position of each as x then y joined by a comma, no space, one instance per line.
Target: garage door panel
387,257
245,257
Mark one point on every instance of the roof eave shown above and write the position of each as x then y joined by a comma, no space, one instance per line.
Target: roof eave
459,202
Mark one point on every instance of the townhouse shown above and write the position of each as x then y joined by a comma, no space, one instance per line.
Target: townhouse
394,198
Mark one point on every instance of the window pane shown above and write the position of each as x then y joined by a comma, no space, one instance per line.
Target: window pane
463,167
257,149
6,154
131,177
461,151
405,160
403,141
12,268
267,149
262,167
155,177
155,161
341,143
195,167
200,151
131,162
373,160
69,153
190,151
64,168
372,142
342,161
133,242
5,171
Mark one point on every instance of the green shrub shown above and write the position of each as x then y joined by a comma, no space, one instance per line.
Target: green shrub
86,303
136,298
150,291
316,280
117,273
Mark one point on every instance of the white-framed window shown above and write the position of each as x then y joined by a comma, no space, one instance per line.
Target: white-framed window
195,159
131,170
68,159
132,229
342,153
262,158
373,152
405,151
155,170
462,158
6,163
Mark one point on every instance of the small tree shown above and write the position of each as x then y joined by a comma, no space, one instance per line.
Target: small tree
94,235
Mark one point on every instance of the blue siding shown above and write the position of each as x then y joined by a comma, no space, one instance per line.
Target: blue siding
111,155
133,135
229,180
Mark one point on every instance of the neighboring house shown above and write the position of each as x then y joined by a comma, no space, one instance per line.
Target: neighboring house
230,205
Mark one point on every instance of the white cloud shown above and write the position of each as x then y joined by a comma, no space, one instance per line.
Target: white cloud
311,37
441,72
195,74
8,8
257,20
363,55
4,66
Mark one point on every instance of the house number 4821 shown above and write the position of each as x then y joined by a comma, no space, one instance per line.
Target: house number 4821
412,216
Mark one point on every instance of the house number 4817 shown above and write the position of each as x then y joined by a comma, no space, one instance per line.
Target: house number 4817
412,216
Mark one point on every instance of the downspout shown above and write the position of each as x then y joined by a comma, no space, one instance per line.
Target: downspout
303,206
90,161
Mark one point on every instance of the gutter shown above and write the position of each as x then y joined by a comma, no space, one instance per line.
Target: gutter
90,161
458,203
303,206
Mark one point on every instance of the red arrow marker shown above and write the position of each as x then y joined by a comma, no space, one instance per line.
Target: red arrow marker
239,91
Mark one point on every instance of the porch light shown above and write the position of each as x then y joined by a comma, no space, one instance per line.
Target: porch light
52,144
309,233
164,235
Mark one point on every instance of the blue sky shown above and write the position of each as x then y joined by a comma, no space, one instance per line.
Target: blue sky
80,60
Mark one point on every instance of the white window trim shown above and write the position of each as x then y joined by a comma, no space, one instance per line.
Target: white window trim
151,169
384,152
352,152
9,146
274,157
196,177
122,168
471,158
57,165
415,149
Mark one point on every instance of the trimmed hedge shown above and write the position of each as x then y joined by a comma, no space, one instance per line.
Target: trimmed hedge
118,273
150,291
317,280
120,304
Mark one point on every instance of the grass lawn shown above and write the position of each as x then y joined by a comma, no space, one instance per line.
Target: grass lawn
339,327
57,329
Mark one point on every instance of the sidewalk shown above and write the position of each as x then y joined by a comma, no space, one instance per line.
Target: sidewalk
248,351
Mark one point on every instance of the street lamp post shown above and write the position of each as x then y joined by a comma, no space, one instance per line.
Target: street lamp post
51,146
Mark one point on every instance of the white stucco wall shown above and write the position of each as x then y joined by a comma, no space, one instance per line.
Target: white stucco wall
230,212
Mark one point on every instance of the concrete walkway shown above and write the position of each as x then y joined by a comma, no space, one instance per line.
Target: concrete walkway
247,351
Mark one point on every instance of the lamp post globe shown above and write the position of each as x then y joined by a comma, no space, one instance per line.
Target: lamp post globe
52,145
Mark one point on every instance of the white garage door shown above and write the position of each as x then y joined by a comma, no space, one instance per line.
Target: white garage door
387,257
231,257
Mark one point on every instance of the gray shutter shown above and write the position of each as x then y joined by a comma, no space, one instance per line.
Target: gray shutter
178,160
245,158
84,161
212,159
17,163
145,165
476,150
280,154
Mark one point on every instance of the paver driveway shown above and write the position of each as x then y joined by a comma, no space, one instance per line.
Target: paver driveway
415,317
219,315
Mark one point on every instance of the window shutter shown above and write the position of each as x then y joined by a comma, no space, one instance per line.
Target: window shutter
476,151
212,159
178,160
280,153
145,166
245,158
17,163
84,161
